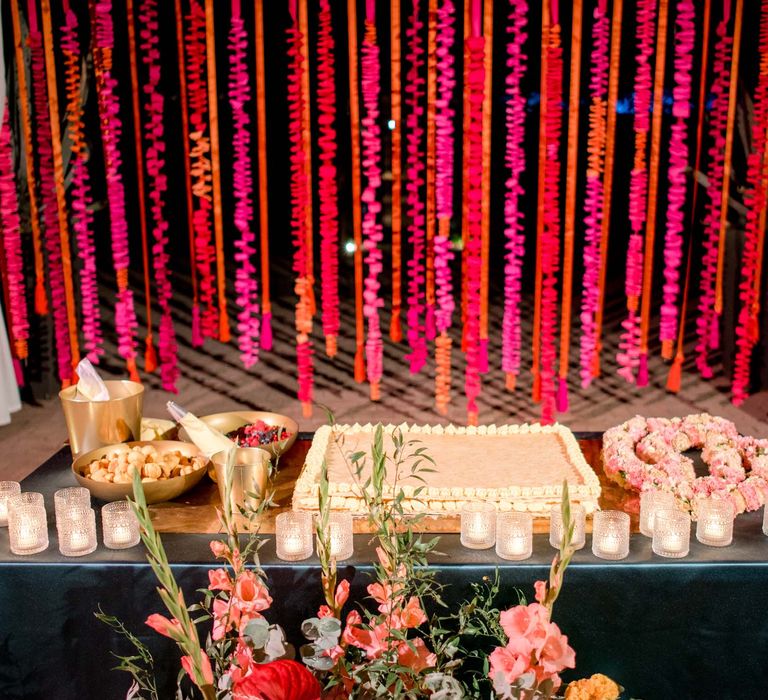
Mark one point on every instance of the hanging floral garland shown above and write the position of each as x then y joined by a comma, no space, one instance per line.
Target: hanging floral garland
298,212
202,178
414,91
628,357
50,217
12,244
111,130
475,86
395,324
444,145
328,189
82,216
430,329
373,234
685,37
707,321
755,201
593,203
550,245
246,285
158,185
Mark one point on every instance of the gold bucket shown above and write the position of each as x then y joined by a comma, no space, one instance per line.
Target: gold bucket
93,424
249,481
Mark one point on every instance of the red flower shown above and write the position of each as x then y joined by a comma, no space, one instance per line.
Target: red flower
168,628
277,680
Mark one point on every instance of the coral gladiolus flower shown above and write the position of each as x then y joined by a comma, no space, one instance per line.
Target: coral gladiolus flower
205,667
415,655
250,594
219,549
219,580
277,680
412,615
342,594
168,628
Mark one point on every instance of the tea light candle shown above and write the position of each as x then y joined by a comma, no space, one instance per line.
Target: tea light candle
7,489
671,533
579,517
610,534
715,523
478,525
514,535
27,524
340,536
77,531
120,525
293,535
650,502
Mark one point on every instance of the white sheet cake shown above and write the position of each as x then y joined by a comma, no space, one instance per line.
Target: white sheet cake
519,467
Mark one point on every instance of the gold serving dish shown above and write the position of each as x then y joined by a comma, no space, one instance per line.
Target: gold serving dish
155,491
232,420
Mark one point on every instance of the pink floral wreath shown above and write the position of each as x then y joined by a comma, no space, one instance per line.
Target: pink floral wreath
645,454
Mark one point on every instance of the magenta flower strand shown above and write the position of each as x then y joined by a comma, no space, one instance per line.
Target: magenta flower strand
373,234
154,159
327,174
82,215
10,231
707,320
514,216
685,37
415,165
111,129
50,218
246,285
593,203
628,357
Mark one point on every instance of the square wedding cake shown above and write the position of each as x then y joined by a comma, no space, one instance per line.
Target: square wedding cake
519,467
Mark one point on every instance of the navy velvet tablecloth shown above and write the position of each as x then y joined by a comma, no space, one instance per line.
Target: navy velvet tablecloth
665,629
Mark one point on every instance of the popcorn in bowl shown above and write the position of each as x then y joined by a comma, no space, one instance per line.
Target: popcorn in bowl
118,467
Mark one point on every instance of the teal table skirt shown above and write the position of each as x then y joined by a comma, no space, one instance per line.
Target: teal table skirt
665,629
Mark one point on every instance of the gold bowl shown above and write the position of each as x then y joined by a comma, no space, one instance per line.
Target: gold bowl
232,420
154,491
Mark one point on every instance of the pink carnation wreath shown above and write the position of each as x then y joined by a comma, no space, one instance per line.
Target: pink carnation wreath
645,454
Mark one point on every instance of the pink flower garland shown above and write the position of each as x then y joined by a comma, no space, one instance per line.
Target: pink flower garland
513,214
475,46
158,186
327,174
593,203
414,89
645,454
628,356
246,285
207,326
82,216
707,321
48,197
755,201
373,234
111,129
685,37
12,246
550,246
298,213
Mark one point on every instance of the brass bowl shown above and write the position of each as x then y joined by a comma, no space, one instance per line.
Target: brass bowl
232,420
154,491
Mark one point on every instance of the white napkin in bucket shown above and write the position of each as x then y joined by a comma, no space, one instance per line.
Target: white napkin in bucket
91,385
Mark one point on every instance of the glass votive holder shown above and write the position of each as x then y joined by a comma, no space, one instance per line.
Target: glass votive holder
71,497
671,533
579,517
119,525
293,535
77,531
610,534
27,525
341,539
650,502
714,526
7,489
514,535
478,525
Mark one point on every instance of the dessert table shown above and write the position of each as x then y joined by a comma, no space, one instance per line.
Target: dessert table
688,628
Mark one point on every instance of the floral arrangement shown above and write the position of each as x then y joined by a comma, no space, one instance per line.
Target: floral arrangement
408,643
647,453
